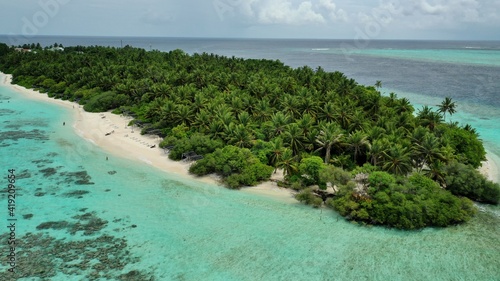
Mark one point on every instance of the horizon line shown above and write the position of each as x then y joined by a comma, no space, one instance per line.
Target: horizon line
242,38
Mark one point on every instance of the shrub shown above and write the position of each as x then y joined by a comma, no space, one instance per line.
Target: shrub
416,203
238,167
334,175
466,145
105,101
307,196
201,144
4,49
310,169
380,180
466,181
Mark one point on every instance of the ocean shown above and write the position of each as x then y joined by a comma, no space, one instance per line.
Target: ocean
78,217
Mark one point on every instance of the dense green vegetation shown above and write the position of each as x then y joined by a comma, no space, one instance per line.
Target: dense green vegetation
412,202
390,164
237,165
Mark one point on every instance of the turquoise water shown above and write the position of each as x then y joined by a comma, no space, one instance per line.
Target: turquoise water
467,56
110,218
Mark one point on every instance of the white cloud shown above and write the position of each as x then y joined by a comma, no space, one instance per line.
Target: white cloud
282,11
431,14
430,9
331,9
435,19
328,4
289,12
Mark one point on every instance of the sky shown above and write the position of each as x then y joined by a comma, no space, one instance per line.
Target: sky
322,19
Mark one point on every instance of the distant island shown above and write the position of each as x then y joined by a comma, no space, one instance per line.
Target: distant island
372,158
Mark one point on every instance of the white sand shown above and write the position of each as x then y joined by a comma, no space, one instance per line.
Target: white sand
127,142
489,168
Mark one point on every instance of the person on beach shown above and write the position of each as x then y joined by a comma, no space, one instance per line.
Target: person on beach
64,123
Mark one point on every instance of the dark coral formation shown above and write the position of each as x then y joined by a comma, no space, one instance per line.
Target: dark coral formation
41,256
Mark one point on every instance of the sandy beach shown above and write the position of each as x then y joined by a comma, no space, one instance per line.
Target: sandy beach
490,168
112,133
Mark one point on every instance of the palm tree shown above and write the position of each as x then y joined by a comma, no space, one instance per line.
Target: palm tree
329,136
153,111
245,119
428,151
183,114
262,111
309,130
199,102
343,161
378,84
277,149
226,118
186,92
161,89
306,123
404,105
375,132
359,143
216,129
294,138
471,129
279,121
310,139
309,105
436,172
328,112
168,111
372,105
346,86
237,103
433,120
393,98
290,105
238,135
202,121
418,134
405,122
378,150
288,162
358,121
343,115
429,118
397,160
447,106
288,84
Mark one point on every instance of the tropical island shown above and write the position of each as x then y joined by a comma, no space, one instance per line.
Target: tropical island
372,158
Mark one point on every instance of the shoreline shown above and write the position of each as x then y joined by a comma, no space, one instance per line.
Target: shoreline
112,134
490,167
